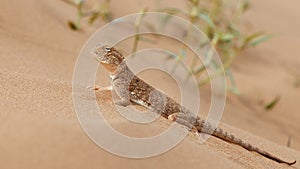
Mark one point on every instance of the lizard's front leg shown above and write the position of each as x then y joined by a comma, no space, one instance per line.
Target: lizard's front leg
109,88
121,89
119,101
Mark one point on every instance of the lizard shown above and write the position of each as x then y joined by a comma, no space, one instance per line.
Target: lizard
132,90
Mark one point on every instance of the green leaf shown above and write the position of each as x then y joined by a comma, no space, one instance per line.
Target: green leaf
233,29
245,5
207,19
171,56
199,70
273,103
107,16
260,40
215,39
256,39
73,26
252,37
182,53
204,43
227,37
78,2
138,20
93,17
195,2
233,87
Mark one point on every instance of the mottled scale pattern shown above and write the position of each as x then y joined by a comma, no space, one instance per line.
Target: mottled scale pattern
152,98
132,89
139,90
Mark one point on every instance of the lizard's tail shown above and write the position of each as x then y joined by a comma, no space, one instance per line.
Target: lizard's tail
205,127
232,139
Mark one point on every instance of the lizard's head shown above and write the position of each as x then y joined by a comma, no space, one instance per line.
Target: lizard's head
108,56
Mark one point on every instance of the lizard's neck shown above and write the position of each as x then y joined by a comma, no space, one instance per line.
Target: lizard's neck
121,68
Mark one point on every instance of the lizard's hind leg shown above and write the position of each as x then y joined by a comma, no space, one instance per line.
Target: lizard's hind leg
177,117
123,103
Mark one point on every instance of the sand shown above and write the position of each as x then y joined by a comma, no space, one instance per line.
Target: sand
38,124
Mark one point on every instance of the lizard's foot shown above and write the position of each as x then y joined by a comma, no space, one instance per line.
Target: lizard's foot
177,117
100,88
123,103
173,117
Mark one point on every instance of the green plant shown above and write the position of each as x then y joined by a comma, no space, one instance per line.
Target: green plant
101,10
222,29
273,103
218,21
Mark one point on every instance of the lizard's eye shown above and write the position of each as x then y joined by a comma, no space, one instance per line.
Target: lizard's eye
107,49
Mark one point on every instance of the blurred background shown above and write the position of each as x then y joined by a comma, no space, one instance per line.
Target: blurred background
40,41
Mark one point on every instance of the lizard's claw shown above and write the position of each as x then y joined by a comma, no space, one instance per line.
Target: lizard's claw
99,88
93,87
173,117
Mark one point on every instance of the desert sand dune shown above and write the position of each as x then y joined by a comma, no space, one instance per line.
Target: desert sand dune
38,124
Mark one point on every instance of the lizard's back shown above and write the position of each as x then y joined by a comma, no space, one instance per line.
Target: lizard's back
144,94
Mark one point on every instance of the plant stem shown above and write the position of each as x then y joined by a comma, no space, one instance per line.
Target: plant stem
79,15
137,25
